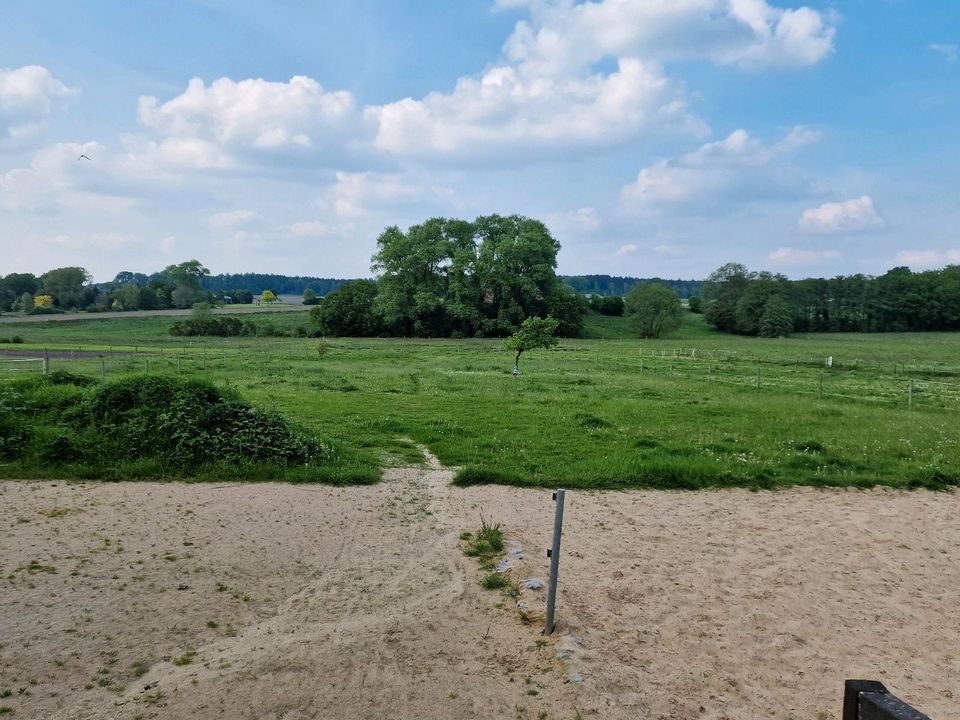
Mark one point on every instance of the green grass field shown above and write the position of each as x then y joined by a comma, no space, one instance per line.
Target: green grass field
696,409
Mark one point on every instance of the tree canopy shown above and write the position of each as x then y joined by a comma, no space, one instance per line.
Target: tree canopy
533,333
448,277
653,309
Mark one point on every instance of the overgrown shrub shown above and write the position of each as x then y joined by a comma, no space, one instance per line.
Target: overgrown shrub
171,426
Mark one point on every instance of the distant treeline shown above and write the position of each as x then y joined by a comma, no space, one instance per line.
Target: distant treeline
738,301
615,285
280,284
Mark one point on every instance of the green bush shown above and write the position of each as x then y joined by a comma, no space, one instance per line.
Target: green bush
149,426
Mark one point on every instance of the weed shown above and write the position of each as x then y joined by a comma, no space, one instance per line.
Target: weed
186,658
494,581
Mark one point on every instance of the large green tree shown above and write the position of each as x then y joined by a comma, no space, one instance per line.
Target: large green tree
452,277
187,278
66,285
349,311
653,309
721,293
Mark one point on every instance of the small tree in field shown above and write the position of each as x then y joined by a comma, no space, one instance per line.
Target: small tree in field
534,332
43,302
268,296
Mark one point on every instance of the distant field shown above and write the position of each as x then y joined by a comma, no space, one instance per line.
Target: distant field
697,409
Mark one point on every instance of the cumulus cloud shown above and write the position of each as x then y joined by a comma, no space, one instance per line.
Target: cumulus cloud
53,175
949,51
856,215
548,94
231,218
563,35
627,249
355,194
794,256
508,111
250,116
735,170
552,89
923,259
27,96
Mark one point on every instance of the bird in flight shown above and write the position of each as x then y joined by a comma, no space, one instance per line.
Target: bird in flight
83,157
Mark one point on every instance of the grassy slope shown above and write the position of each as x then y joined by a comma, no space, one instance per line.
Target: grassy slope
585,415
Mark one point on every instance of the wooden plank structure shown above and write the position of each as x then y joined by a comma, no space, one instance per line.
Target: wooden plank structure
870,700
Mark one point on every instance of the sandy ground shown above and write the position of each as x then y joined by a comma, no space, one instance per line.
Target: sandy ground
268,601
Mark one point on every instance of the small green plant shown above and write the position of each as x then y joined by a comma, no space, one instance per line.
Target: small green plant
486,544
493,581
154,697
212,624
5,710
140,669
186,658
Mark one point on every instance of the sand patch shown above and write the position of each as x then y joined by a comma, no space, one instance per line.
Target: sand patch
293,602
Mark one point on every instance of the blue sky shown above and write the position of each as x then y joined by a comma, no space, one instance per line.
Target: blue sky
654,137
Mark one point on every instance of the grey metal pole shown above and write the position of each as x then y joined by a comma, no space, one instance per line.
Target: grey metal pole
554,555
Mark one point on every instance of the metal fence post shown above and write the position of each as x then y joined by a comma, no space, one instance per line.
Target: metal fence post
554,555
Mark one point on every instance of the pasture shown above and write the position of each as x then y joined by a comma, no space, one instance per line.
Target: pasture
697,409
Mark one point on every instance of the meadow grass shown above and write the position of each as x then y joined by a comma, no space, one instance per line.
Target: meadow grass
695,409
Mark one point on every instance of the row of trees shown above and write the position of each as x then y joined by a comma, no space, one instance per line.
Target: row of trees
65,287
613,285
456,278
69,288
736,300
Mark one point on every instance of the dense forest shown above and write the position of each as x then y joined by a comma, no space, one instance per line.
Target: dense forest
738,301
613,285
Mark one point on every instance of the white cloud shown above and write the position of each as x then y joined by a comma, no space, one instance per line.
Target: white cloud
54,174
355,194
925,259
947,50
547,93
27,96
582,220
507,112
627,249
310,228
854,215
232,218
794,256
563,35
735,170
250,116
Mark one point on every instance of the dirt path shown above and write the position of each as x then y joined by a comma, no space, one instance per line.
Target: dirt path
64,317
